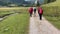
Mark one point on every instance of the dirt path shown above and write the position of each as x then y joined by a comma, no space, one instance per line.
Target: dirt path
41,26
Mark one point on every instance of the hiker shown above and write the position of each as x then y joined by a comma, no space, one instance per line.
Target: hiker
31,11
40,12
34,9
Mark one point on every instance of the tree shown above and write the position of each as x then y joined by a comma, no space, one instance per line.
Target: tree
38,4
51,1
48,1
45,1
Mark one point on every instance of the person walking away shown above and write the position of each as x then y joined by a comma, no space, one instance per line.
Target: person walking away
31,11
40,12
34,9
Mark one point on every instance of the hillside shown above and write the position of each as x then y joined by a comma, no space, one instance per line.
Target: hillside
18,2
14,2
56,3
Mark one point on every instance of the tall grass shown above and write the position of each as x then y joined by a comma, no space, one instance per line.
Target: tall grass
52,13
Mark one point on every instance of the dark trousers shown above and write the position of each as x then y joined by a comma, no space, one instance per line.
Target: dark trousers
40,16
30,14
34,12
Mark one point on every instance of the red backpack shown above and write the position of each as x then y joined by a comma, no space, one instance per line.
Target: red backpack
40,10
31,10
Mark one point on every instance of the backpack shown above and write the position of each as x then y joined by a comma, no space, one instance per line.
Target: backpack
40,10
31,10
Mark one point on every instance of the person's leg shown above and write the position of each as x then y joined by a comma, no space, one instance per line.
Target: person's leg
40,16
34,13
30,14
34,10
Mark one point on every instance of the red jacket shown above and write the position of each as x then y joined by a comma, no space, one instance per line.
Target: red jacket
40,10
31,10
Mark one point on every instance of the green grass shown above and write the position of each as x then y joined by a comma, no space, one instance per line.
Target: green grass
8,10
52,13
5,12
16,24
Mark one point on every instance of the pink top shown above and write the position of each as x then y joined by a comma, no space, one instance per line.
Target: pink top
40,10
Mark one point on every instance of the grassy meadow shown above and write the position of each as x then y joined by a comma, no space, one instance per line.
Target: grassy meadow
15,24
52,13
